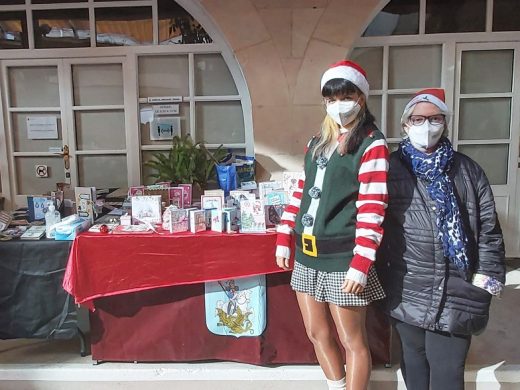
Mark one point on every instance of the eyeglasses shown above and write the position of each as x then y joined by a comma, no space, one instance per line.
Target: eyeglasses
418,120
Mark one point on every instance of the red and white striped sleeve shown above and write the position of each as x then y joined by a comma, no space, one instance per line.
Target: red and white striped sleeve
285,229
371,204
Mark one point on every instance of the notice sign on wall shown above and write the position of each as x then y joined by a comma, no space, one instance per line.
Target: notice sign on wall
164,128
42,127
165,109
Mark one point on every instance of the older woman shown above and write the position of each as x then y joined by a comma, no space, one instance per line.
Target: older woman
442,255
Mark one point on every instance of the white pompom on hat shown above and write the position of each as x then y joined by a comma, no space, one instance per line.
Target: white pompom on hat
347,70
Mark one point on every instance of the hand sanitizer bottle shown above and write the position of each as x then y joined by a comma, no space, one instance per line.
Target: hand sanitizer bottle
52,216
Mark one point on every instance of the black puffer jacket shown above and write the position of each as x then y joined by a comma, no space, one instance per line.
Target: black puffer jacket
423,288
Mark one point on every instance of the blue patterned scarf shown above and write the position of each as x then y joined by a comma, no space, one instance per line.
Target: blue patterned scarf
433,169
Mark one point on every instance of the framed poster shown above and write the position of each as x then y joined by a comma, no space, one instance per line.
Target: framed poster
165,128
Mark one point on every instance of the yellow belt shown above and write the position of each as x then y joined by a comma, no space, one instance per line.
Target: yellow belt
309,245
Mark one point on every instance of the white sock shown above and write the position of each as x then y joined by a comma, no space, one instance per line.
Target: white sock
340,384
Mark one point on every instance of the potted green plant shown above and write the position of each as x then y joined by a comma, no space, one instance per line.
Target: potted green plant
186,162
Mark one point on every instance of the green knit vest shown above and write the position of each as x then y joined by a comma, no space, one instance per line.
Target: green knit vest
334,225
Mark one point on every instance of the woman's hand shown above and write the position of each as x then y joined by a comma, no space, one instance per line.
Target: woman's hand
282,262
351,287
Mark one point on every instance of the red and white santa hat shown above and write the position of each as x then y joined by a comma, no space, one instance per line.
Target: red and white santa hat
430,95
347,70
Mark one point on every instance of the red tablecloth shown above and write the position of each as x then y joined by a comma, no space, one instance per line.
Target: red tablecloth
102,265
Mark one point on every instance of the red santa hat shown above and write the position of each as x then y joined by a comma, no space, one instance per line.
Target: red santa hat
347,70
430,95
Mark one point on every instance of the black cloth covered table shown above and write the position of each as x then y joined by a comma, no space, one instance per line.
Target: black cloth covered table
33,303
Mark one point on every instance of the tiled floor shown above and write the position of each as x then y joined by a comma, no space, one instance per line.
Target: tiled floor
493,363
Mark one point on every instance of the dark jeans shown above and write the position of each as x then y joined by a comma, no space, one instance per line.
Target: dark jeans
433,359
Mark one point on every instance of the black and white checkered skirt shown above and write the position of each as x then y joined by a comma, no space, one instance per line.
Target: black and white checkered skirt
326,286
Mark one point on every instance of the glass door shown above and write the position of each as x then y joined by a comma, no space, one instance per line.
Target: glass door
66,121
35,130
486,123
96,112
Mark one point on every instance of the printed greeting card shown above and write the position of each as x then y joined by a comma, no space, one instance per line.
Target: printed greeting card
146,208
252,216
217,221
176,195
269,186
37,205
214,192
276,198
235,196
231,219
136,191
132,229
175,219
208,202
188,191
85,199
197,220
290,181
273,215
5,220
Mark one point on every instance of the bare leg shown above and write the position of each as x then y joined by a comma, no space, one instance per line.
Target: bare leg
350,323
320,332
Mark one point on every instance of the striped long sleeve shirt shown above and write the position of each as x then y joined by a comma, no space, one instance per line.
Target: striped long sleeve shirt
371,203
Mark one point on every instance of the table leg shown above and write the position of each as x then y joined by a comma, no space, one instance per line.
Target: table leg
83,345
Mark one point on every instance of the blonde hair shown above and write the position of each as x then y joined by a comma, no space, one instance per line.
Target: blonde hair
329,133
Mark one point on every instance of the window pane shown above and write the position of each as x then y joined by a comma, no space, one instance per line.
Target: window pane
13,30
397,18
56,1
448,16
184,114
102,171
371,59
100,130
61,28
98,84
219,122
414,67
505,15
146,171
22,143
486,118
124,26
178,26
212,76
26,179
492,158
34,86
487,71
396,104
163,76
374,105
11,2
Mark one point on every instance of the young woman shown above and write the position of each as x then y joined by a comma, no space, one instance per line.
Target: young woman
442,257
336,217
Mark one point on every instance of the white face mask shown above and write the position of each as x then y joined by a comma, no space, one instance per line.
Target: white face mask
343,112
425,136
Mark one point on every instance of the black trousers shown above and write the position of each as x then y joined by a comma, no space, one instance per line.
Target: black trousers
432,360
